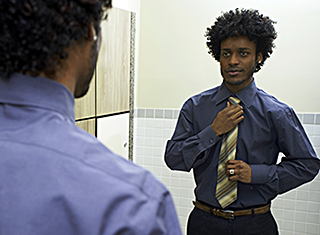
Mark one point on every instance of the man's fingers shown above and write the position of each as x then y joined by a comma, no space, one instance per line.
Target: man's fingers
234,111
241,171
227,119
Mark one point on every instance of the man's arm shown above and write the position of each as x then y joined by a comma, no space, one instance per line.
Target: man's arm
188,149
299,166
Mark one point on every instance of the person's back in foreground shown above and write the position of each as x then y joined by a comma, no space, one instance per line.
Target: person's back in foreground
55,177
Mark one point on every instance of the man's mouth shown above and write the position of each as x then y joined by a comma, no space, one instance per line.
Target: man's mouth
234,72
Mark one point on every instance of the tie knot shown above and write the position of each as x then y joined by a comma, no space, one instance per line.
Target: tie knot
233,100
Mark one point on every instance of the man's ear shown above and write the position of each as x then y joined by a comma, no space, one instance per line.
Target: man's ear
259,57
92,34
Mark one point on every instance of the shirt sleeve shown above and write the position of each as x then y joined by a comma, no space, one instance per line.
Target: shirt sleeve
166,221
187,147
141,209
300,164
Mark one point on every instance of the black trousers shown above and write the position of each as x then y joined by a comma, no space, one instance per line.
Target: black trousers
203,223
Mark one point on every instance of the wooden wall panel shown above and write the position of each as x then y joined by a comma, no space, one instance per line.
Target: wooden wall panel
113,66
110,88
88,125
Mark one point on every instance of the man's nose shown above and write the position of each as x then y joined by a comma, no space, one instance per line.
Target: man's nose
233,59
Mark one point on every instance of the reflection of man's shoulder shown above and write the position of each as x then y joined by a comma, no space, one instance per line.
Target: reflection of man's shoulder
207,93
270,99
203,98
272,105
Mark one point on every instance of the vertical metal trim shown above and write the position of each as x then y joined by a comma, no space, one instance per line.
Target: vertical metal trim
132,74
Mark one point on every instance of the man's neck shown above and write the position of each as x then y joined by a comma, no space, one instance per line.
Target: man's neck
236,88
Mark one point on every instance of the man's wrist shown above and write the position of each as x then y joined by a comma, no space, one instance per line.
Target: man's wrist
215,131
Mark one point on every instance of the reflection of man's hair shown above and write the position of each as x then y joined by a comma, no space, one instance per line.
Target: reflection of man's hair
34,33
250,23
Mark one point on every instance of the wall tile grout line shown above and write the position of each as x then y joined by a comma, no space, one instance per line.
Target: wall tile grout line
305,118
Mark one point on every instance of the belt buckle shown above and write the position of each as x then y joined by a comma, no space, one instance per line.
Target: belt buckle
230,212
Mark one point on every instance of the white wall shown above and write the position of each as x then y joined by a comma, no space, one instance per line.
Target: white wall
174,63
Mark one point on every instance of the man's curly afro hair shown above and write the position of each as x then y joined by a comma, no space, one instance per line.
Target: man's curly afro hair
34,33
250,23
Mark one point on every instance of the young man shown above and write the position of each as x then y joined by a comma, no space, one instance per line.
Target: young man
56,178
233,148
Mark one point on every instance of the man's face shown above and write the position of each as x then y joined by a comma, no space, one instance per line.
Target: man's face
238,61
83,82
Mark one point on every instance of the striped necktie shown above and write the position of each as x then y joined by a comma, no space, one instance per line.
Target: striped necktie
226,191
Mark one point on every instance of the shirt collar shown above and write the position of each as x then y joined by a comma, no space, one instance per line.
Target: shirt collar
245,95
38,91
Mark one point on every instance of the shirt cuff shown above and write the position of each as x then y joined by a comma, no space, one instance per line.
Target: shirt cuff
208,137
259,174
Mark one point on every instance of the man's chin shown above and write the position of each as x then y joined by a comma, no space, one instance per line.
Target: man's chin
81,94
235,82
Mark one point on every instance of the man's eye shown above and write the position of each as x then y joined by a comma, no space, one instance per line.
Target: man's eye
244,53
226,54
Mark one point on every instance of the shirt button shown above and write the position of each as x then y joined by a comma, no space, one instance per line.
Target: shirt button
211,141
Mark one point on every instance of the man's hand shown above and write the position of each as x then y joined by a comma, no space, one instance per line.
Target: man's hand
241,171
227,119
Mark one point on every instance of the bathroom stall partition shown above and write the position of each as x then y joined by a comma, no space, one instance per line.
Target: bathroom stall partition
107,110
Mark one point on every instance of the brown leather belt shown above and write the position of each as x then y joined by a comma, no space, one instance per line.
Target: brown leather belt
228,214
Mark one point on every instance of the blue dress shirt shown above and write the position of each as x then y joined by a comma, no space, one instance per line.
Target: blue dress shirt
269,127
57,179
